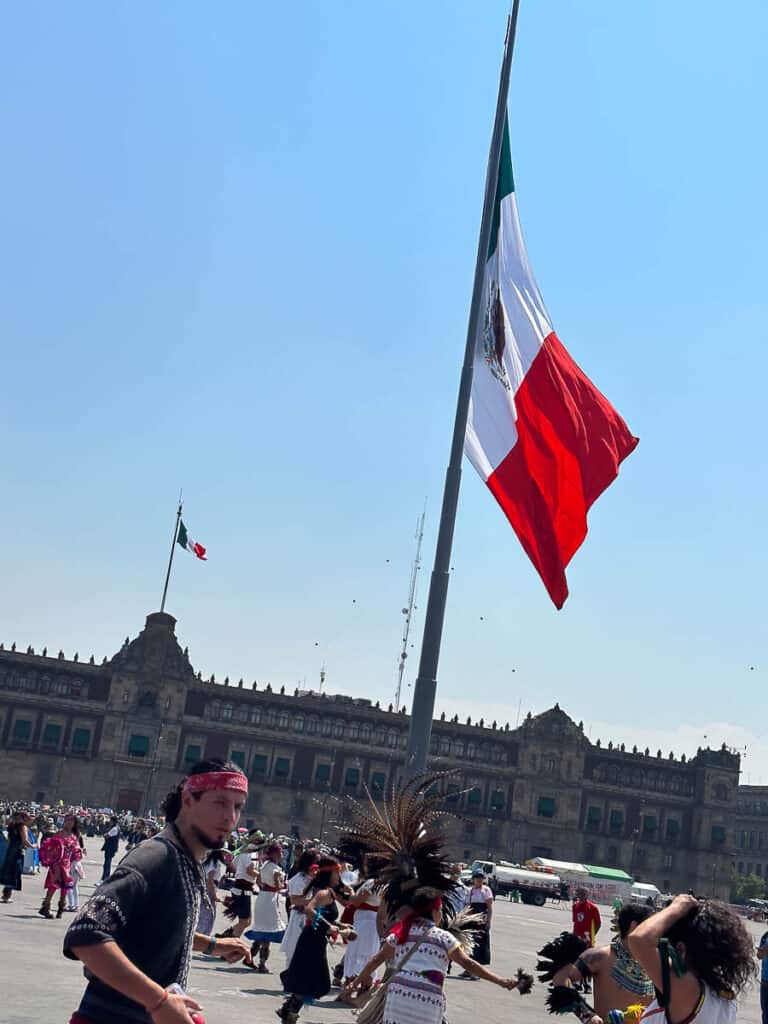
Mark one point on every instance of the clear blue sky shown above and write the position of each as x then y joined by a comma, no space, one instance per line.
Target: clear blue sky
237,248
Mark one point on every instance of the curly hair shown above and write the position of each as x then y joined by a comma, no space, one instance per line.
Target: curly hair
717,947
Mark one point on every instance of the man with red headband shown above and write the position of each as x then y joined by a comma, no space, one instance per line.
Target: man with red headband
136,934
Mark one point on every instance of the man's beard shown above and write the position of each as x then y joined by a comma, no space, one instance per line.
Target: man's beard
207,842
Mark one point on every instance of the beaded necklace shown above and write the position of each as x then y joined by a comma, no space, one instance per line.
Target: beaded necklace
628,973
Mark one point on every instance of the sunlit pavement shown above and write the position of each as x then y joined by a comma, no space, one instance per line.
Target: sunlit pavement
41,987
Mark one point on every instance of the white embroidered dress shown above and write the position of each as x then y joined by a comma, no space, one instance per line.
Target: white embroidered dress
296,919
367,943
268,923
415,994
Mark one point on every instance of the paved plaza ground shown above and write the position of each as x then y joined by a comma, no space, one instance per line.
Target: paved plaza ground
41,987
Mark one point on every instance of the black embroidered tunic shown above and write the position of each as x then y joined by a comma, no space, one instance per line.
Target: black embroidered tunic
149,907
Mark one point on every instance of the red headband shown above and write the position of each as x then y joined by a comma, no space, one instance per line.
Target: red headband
402,930
216,780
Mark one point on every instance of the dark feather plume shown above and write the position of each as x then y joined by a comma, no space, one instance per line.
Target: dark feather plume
524,981
565,949
563,999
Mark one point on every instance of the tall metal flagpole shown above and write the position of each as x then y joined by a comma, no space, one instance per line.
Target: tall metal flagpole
173,551
426,682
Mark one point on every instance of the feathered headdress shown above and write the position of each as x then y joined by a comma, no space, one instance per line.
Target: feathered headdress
463,927
404,849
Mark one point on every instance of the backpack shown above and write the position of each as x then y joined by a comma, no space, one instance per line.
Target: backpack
51,851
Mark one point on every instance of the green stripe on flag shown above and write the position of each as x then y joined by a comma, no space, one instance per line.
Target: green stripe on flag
182,535
504,187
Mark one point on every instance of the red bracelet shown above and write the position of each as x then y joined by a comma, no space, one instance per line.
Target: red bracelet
156,1007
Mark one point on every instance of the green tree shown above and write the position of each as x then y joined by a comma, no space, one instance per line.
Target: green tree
746,887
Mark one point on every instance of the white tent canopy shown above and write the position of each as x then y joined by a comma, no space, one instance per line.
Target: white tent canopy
560,867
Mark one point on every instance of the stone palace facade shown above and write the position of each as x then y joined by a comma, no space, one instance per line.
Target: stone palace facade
120,735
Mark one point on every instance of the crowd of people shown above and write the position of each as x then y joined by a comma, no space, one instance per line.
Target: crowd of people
386,892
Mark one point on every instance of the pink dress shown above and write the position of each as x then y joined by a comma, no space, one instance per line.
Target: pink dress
60,875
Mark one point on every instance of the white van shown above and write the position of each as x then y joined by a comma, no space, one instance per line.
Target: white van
644,892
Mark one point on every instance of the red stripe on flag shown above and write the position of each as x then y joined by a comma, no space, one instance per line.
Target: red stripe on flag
570,444
199,550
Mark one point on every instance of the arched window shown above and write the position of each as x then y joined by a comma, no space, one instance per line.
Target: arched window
326,726
298,722
471,751
445,746
354,730
242,713
458,748
226,712
216,709
392,737
338,729
255,716
269,718
283,719
365,732
378,736
313,723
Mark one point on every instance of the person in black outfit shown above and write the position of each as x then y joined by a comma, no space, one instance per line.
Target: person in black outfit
109,849
307,975
136,934
18,842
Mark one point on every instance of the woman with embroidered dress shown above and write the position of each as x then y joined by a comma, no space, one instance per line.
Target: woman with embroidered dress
479,899
414,874
298,880
59,878
419,951
268,924
364,903
699,956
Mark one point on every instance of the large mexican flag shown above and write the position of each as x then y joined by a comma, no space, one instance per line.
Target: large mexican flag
540,434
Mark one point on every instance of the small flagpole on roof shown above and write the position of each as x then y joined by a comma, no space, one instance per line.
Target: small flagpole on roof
173,549
425,687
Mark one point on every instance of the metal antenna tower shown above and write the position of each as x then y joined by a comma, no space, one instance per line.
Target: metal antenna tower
408,612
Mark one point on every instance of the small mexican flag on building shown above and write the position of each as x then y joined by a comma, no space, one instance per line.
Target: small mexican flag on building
188,544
